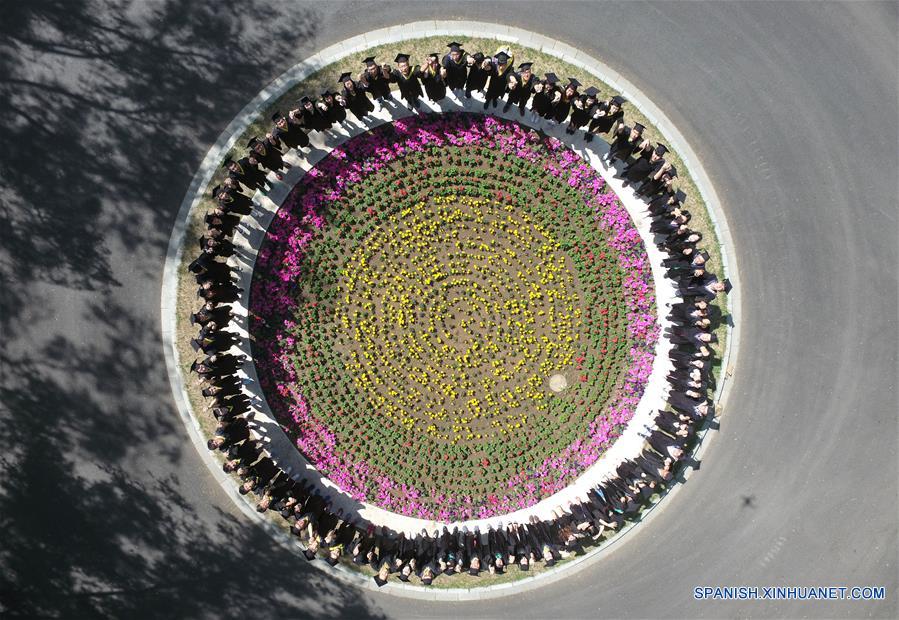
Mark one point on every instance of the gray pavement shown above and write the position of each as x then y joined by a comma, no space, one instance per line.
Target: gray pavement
107,109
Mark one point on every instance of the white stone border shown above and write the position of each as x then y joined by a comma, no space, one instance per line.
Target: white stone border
392,35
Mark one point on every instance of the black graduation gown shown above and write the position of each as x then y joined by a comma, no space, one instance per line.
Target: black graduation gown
358,102
314,119
410,86
622,147
664,226
542,102
378,86
660,205
271,158
250,174
580,117
603,124
562,107
424,551
405,549
522,93
651,186
236,431
336,113
236,202
477,78
247,453
498,82
640,168
224,223
202,263
434,84
456,72
292,136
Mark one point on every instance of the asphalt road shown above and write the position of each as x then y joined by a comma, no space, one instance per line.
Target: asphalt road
106,109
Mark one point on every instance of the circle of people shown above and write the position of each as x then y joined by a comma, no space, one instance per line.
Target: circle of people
327,532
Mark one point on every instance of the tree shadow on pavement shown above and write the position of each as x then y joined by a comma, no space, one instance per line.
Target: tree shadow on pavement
101,103
106,509
86,535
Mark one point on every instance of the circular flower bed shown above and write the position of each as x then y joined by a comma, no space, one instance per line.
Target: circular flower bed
416,293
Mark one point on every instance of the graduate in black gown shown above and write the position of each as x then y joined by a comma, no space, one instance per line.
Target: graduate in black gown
376,79
407,77
335,113
312,115
519,92
268,156
659,181
499,76
356,99
627,140
455,65
247,173
649,161
582,110
432,79
287,132
604,117
479,69
232,201
666,201
544,95
562,104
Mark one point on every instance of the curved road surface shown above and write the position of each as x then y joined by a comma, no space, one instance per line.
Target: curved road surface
107,109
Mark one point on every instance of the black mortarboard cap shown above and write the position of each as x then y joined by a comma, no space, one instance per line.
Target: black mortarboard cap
401,58
478,56
426,580
680,196
325,93
228,161
309,554
473,572
305,100
194,365
216,189
551,78
618,100
727,285
592,91
661,149
502,58
368,61
454,46
434,55
252,142
344,77
195,345
331,561
277,116
573,82
639,127
672,171
525,65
